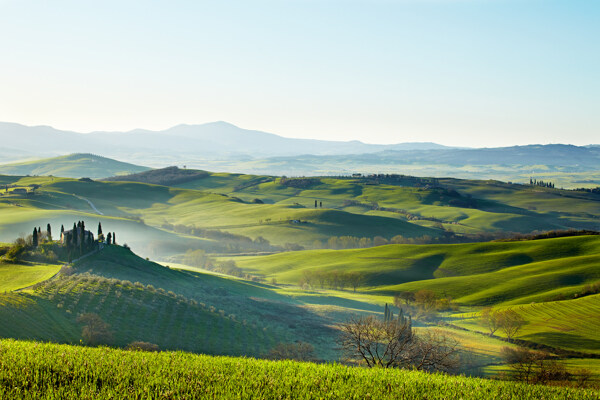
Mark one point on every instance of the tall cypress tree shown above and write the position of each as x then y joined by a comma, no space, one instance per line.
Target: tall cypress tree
114,241
49,232
74,234
99,229
108,238
34,239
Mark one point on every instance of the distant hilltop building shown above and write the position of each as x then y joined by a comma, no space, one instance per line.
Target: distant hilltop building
66,237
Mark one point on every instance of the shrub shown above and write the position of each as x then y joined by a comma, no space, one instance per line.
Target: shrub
142,346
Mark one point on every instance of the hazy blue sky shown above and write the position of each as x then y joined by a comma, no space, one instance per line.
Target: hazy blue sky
457,72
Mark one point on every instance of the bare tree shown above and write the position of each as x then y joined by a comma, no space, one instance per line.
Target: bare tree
435,351
534,366
378,343
393,344
406,296
356,279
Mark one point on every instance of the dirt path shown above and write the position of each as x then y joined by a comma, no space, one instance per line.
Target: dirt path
90,203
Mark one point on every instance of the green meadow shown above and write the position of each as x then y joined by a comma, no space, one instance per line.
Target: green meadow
19,276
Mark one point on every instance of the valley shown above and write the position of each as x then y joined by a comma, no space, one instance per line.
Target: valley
246,263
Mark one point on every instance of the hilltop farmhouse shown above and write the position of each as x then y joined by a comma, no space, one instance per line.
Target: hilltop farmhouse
81,233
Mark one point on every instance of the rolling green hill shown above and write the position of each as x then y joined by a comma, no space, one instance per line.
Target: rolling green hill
283,211
74,372
512,272
73,166
127,203
567,324
144,301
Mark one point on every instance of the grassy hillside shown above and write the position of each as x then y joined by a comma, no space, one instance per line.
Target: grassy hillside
73,166
460,206
72,372
504,271
283,210
568,324
128,202
144,301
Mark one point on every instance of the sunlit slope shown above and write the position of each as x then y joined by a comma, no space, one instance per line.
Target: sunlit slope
345,207
277,223
475,273
531,198
492,205
72,165
568,324
18,276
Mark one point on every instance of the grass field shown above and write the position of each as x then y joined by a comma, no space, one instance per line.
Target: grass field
18,276
35,370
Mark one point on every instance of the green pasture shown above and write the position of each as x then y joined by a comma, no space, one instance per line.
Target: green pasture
19,276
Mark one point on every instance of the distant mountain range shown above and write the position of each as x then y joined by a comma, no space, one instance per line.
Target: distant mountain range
220,146
211,140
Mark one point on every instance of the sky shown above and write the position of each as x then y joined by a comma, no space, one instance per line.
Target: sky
477,73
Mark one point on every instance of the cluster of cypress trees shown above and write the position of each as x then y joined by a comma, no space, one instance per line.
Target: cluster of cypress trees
388,316
541,183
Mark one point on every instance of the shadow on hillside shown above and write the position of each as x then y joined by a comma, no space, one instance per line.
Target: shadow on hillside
564,340
339,302
409,270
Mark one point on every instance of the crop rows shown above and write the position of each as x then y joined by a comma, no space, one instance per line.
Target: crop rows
139,313
571,324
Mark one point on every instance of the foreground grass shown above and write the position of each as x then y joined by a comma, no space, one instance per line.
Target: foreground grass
47,371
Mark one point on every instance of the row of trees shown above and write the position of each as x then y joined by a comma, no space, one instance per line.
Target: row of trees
541,183
424,303
336,280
